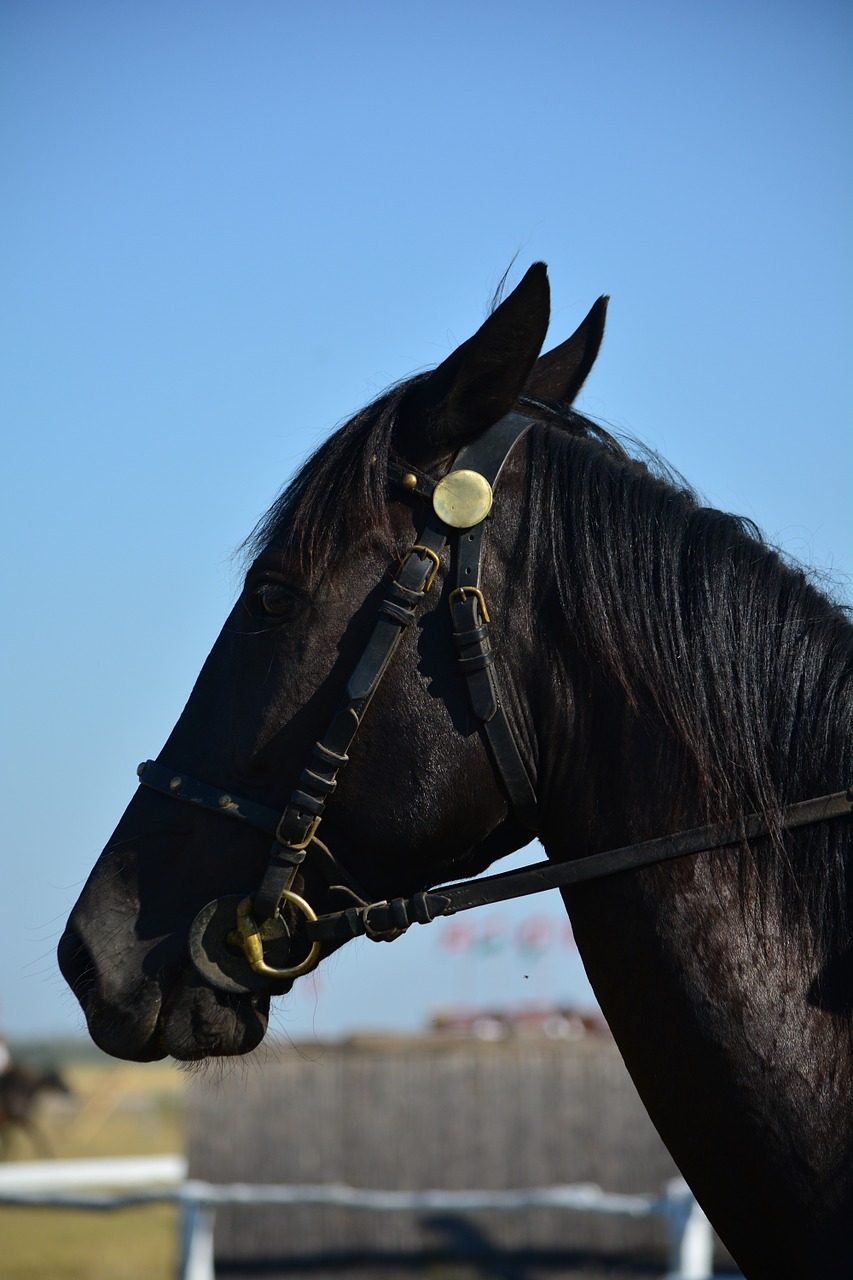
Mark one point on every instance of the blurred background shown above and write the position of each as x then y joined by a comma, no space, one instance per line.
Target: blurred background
226,227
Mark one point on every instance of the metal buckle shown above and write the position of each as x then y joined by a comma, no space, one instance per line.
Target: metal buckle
430,555
251,942
461,592
303,844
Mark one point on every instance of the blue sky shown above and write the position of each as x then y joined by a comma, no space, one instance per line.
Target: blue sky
225,227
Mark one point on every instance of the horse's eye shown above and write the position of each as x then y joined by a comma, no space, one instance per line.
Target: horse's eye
274,599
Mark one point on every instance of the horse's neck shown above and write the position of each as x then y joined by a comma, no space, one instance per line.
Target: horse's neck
708,1001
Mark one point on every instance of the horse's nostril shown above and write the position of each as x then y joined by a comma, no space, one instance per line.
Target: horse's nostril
75,963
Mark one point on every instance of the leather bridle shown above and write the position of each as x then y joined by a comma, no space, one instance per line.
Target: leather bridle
234,939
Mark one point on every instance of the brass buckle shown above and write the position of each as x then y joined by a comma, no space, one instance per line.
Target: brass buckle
460,593
303,844
430,555
253,946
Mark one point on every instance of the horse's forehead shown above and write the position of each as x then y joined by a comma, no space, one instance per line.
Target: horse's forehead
308,558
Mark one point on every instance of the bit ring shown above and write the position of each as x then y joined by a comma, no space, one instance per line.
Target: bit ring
252,942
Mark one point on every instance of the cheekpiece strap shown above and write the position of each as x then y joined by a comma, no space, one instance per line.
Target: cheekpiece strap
301,818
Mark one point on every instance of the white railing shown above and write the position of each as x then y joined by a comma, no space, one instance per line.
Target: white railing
163,1179
57,1175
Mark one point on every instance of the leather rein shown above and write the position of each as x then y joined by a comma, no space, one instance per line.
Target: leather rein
242,944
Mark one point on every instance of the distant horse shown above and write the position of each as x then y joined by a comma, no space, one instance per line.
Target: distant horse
628,664
20,1088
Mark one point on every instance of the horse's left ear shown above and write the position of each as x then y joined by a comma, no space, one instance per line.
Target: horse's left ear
560,374
480,382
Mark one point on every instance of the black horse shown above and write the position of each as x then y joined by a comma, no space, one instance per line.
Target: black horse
658,667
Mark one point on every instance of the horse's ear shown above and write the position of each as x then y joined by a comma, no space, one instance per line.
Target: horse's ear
480,382
560,374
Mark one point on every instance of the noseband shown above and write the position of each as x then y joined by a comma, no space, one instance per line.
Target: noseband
234,939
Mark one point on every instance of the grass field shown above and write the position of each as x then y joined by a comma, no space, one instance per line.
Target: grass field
115,1109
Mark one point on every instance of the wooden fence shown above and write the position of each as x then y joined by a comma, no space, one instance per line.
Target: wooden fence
429,1113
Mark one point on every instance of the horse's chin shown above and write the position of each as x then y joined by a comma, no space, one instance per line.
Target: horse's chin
194,1023
199,1022
132,1035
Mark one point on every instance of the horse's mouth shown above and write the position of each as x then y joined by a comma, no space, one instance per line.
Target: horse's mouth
145,1021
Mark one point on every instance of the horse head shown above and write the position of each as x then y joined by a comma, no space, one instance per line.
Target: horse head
420,797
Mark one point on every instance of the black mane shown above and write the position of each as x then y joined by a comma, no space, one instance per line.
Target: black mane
732,650
711,633
341,491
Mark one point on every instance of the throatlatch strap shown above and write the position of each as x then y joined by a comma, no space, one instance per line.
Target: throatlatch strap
476,660
487,455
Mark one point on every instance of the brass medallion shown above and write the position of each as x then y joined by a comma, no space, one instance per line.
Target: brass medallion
462,499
